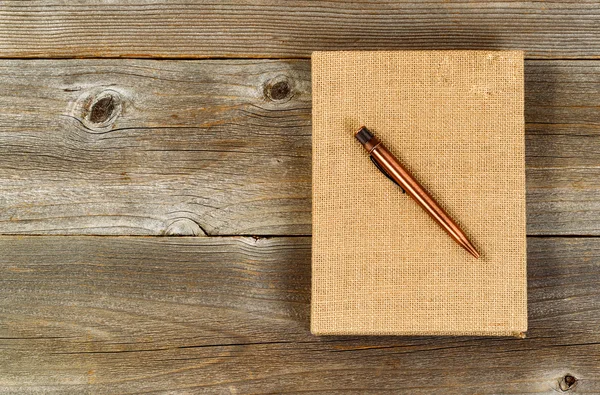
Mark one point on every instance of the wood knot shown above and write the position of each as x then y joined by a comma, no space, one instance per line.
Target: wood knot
567,382
100,109
278,89
184,227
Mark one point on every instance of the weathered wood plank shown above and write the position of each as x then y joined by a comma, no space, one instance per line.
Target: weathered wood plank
198,28
230,315
155,147
224,146
562,111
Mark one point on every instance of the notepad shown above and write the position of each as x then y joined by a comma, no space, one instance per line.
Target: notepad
380,264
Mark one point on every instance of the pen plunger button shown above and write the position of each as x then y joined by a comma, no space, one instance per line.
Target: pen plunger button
363,135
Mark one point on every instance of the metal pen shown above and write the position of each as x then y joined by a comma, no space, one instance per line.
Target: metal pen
391,167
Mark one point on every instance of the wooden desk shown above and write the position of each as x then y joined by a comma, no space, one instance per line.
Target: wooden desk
103,153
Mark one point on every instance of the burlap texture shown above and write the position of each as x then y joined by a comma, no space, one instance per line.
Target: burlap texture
380,264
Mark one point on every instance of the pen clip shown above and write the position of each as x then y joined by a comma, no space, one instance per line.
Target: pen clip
385,173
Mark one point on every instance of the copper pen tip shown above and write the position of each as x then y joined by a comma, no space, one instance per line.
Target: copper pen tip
469,247
475,254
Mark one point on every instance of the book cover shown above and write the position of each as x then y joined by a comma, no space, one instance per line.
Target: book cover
380,264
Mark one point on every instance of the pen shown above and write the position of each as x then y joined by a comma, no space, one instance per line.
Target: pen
391,167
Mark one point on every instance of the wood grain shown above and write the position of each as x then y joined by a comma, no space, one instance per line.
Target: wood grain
145,147
230,315
155,147
269,28
562,114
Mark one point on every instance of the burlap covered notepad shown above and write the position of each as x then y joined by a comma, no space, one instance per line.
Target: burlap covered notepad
380,264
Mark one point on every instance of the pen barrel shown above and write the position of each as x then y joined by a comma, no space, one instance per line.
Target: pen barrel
398,173
391,167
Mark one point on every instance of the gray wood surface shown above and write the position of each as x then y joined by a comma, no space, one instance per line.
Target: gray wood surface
269,28
155,147
223,147
231,315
